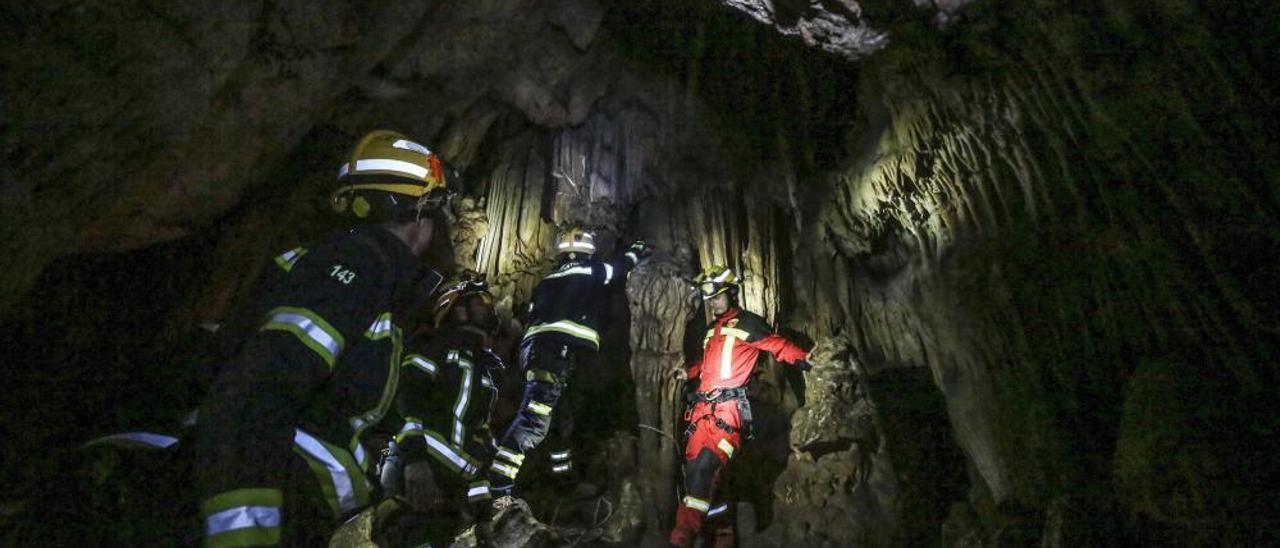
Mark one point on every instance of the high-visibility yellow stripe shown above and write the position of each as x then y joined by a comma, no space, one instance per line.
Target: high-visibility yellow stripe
463,401
341,478
312,330
734,332
506,470
421,362
697,504
540,408
241,497
726,358
389,389
289,258
725,446
541,375
453,457
381,327
567,327
478,490
513,458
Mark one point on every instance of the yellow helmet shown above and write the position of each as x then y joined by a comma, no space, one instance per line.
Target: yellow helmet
576,240
390,178
468,283
716,280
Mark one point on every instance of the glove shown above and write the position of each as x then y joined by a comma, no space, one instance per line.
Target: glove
803,365
640,249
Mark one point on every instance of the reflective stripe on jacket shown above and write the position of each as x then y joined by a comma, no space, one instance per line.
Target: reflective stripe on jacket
566,304
318,370
732,346
446,395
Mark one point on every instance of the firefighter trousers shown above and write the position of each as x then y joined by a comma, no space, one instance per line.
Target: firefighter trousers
548,367
713,436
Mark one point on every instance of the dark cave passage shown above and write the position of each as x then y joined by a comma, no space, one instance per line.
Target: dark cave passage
1031,245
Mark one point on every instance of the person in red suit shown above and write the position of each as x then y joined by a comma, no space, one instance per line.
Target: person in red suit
720,415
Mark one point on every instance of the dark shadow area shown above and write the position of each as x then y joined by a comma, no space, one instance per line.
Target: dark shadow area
95,350
724,56
929,467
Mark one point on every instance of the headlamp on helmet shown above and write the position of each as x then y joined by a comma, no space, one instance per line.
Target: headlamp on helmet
716,280
576,240
467,284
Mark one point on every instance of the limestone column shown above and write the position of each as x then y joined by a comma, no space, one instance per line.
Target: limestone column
659,299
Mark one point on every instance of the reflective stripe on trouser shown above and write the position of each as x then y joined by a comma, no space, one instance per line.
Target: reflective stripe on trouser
548,366
312,330
697,504
342,482
561,461
478,490
242,517
701,475
526,432
506,463
706,431
715,526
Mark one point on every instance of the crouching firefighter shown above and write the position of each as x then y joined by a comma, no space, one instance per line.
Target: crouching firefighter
278,445
433,469
563,331
719,414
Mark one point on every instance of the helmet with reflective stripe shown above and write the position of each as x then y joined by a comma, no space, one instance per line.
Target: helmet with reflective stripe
390,178
716,280
576,240
468,283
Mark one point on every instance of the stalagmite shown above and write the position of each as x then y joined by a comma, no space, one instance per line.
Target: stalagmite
659,294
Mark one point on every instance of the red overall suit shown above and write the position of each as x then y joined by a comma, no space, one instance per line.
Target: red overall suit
730,351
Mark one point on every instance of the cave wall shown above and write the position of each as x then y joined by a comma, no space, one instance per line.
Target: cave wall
1065,214
1034,241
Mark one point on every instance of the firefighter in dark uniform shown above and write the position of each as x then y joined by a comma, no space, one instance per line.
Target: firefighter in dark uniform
720,415
278,443
446,393
562,330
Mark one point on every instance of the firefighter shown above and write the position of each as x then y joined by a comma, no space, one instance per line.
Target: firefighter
562,331
434,467
720,415
278,443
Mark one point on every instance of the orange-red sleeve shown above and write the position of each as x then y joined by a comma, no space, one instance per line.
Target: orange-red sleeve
785,351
